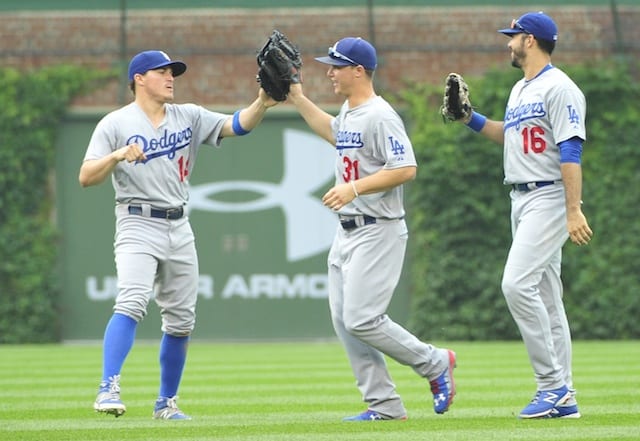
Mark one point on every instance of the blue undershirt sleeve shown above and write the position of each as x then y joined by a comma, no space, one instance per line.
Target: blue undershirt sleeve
570,150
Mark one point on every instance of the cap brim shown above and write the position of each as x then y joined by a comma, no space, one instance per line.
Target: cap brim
510,31
177,67
333,61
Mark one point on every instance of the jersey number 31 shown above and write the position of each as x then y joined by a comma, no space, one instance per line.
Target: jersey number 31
351,172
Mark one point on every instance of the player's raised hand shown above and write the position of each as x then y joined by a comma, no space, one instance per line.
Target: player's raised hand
265,99
295,90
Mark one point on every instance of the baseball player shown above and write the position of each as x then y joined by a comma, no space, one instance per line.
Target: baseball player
542,133
149,148
374,157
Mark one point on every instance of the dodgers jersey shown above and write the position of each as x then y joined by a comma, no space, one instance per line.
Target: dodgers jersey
540,113
371,137
163,179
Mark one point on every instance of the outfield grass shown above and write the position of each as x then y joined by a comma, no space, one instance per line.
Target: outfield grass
300,391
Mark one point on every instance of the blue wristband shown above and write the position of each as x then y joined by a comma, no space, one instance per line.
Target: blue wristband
237,128
477,121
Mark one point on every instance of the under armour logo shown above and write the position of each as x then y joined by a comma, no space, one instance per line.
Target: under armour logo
308,165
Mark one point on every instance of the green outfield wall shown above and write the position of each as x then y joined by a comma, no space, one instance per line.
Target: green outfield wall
262,236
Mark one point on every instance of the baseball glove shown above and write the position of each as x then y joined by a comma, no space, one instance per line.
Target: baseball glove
455,104
279,64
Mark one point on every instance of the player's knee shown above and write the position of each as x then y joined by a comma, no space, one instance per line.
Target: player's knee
511,287
507,285
177,333
351,326
131,308
362,328
178,326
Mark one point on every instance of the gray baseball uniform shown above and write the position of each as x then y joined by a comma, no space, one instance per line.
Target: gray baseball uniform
366,258
147,246
540,113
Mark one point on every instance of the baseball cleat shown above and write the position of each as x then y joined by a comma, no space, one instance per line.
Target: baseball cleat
565,411
108,399
371,415
568,409
545,401
443,387
167,409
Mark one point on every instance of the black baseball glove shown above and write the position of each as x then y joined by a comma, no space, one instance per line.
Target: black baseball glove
279,64
455,104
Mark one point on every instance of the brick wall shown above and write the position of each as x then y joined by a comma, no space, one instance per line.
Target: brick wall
219,45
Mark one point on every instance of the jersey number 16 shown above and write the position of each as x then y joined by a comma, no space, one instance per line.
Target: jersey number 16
533,140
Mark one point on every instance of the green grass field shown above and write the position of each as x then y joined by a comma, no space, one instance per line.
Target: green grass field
300,391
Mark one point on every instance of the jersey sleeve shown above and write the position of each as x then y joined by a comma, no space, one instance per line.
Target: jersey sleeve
395,146
103,140
207,125
567,112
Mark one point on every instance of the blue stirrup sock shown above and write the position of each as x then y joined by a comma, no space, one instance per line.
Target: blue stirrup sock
118,341
173,355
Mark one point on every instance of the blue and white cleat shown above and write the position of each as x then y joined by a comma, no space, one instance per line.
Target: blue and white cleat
443,387
167,409
108,399
544,402
367,415
568,409
372,415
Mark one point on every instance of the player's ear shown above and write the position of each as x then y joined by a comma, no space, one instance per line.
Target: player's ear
531,39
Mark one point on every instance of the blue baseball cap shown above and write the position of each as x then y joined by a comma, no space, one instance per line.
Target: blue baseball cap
351,51
149,60
537,24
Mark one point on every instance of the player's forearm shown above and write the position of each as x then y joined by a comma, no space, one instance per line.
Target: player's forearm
252,115
579,231
572,179
494,130
384,180
245,120
318,120
95,171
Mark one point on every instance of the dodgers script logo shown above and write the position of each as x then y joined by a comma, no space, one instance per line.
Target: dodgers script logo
310,226
349,140
167,144
522,112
